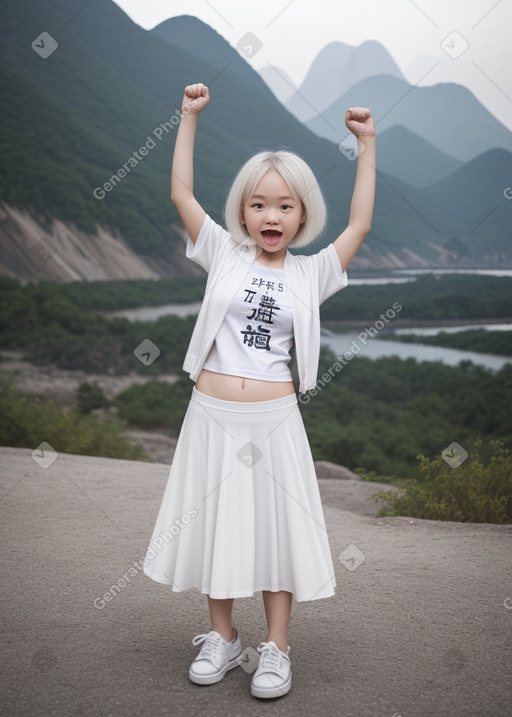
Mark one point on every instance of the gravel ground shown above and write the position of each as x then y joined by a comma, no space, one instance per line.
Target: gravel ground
420,623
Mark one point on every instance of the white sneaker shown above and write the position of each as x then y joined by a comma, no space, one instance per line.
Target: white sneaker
217,656
273,677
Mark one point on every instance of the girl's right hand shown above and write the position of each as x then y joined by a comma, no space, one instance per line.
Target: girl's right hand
195,99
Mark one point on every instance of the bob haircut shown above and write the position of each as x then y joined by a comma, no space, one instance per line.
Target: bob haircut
299,178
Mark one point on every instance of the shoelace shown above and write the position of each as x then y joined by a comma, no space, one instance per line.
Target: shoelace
271,655
210,649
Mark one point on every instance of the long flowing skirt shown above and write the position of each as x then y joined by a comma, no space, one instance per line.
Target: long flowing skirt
241,511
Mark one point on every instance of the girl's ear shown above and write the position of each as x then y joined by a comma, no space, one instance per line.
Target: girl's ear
242,218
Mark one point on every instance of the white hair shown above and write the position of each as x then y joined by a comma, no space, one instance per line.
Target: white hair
299,178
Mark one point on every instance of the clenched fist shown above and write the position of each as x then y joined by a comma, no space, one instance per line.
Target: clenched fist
359,121
195,99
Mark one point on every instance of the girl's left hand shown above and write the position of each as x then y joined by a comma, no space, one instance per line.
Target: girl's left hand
359,121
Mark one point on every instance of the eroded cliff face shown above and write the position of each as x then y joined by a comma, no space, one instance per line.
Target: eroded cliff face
30,251
371,258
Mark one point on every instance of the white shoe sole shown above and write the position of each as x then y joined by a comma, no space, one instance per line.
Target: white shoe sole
266,692
215,677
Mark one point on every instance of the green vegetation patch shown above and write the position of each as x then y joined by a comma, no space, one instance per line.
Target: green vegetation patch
155,404
53,326
433,297
477,491
26,422
380,414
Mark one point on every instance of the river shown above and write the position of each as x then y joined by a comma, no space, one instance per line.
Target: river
342,341
360,344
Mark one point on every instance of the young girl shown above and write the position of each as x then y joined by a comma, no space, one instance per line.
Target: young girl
241,510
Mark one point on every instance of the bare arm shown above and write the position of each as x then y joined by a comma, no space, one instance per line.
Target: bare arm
191,212
360,122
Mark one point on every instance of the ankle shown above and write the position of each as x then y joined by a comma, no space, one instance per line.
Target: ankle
283,646
228,634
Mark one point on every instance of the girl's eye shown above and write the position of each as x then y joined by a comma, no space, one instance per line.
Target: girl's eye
286,206
257,205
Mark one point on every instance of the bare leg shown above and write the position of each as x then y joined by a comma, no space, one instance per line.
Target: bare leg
278,607
220,616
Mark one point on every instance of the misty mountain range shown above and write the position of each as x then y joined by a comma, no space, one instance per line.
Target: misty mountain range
71,120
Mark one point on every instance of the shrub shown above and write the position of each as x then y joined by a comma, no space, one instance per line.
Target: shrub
25,422
477,491
89,397
155,404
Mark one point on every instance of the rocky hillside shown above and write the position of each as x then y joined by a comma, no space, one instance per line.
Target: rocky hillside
34,250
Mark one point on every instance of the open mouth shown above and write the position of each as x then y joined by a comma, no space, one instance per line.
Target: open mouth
271,236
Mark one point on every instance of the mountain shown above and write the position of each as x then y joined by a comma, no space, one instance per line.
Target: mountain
279,81
334,71
190,35
480,193
78,121
410,158
446,115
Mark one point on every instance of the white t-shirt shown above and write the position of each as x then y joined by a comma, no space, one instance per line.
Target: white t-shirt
310,281
256,335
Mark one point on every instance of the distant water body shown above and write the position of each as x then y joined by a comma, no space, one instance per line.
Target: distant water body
373,349
341,342
481,272
360,344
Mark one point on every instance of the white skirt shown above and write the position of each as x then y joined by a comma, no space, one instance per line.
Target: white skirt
241,511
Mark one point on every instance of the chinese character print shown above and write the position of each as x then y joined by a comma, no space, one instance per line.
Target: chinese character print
262,312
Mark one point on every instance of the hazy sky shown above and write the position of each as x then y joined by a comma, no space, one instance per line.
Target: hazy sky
293,32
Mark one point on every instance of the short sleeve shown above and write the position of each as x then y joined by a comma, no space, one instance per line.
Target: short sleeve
326,266
211,239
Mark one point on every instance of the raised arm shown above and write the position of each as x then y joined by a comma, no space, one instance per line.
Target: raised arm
192,214
360,122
